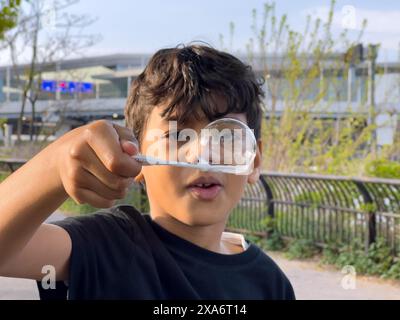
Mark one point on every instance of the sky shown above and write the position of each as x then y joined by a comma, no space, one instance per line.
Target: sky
132,26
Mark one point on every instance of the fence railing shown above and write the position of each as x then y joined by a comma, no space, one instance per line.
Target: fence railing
324,209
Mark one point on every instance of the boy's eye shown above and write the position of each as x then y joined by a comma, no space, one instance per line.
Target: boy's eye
171,134
174,135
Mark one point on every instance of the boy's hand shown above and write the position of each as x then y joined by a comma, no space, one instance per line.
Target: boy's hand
95,163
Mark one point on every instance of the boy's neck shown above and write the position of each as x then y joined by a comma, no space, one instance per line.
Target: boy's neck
207,237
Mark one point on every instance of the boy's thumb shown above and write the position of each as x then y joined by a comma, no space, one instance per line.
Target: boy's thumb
129,147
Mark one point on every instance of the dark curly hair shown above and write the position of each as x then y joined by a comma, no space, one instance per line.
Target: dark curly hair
189,81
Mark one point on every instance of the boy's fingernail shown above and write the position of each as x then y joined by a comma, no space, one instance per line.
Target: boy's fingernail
135,141
135,146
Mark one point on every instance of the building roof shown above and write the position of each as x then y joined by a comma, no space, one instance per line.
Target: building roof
109,61
272,63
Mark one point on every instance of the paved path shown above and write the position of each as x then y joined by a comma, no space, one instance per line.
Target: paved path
310,282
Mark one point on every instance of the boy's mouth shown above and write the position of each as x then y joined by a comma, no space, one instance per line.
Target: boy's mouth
205,188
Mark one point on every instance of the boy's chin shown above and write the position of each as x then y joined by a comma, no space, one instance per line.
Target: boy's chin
201,218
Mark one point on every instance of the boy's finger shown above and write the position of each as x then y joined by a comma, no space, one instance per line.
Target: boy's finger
93,164
129,147
103,138
125,134
90,197
89,181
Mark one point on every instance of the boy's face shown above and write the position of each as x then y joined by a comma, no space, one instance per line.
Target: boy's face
175,191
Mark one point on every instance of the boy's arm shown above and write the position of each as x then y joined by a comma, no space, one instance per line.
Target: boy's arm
89,165
49,245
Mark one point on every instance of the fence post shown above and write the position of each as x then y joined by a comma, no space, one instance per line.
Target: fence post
371,237
270,203
142,199
270,197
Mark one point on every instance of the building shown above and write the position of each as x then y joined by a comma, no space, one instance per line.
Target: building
86,89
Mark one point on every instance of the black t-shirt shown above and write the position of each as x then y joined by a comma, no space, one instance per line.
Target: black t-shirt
120,253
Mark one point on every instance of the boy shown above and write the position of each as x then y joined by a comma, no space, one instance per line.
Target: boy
180,250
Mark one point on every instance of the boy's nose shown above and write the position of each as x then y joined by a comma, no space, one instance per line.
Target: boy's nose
191,152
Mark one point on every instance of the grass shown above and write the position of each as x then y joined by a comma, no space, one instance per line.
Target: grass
3,176
70,207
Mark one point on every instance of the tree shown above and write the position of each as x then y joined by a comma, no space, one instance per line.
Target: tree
306,73
46,33
8,15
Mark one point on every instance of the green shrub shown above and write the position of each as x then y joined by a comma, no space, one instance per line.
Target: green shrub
330,253
71,207
268,223
301,249
313,197
394,271
274,242
379,257
253,238
377,261
383,168
134,198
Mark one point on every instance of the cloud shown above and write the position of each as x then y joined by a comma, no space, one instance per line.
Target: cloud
383,26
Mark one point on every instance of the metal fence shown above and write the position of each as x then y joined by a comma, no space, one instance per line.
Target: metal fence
324,209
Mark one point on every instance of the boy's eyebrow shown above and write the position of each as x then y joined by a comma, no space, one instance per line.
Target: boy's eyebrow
166,119
172,118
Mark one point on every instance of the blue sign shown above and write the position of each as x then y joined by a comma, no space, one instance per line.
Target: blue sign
49,86
67,86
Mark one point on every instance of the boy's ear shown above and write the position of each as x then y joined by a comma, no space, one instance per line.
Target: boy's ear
255,174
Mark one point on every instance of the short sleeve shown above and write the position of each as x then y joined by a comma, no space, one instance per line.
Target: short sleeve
95,247
84,232
289,292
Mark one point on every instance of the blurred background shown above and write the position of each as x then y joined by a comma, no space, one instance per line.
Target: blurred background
330,190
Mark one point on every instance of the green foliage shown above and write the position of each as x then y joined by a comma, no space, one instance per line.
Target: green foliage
8,15
368,207
393,272
330,253
383,168
3,176
3,121
134,198
268,224
301,249
244,216
73,208
300,87
254,238
273,241
377,261
314,197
